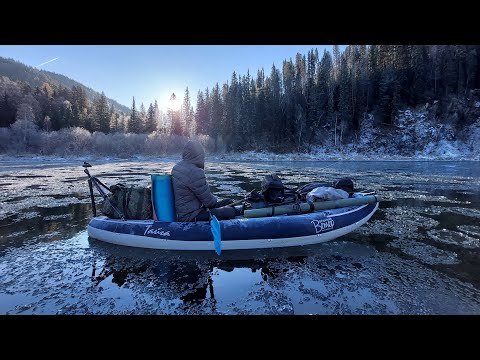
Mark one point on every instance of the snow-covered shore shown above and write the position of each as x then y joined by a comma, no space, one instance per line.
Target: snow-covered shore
442,152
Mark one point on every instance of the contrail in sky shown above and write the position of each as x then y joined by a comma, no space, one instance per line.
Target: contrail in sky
46,62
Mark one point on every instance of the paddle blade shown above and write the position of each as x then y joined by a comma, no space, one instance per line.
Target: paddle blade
217,236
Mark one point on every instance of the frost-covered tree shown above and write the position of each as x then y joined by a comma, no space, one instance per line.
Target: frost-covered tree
24,128
142,118
187,115
156,115
216,114
150,122
174,116
101,114
201,115
134,121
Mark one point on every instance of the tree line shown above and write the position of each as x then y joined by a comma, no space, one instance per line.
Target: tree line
323,98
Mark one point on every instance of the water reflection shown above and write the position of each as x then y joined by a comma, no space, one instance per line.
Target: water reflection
418,254
43,224
194,277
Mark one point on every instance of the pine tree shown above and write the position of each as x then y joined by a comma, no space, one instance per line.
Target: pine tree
216,114
201,116
419,70
142,118
7,111
174,116
388,96
436,68
101,114
208,111
188,115
246,116
345,102
260,103
300,100
121,124
114,119
288,102
473,67
67,113
311,91
156,116
374,77
336,62
230,119
55,113
403,55
449,69
273,100
150,123
134,122
323,84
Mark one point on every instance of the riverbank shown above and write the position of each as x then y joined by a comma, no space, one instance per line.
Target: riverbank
252,156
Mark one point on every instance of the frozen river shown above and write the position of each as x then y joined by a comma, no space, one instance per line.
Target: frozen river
419,253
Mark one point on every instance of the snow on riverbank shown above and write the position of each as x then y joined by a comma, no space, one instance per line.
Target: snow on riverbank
445,150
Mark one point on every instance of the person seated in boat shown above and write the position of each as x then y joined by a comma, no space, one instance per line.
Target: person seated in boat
193,199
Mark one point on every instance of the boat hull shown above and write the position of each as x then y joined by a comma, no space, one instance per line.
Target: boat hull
237,234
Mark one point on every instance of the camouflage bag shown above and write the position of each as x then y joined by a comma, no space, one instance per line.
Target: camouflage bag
134,202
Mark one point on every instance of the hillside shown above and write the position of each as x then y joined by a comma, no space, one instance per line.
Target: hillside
17,71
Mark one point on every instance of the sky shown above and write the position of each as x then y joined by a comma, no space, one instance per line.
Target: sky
154,72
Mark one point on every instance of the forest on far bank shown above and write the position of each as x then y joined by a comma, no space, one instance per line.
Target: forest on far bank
386,94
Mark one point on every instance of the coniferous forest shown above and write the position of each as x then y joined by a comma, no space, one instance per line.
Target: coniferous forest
396,98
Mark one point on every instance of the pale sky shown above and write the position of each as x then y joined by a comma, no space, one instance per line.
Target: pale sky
153,72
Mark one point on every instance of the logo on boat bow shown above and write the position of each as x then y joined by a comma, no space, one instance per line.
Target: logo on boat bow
323,225
149,231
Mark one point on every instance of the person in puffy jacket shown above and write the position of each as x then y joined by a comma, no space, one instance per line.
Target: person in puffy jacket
193,199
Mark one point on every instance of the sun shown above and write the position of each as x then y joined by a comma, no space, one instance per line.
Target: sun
173,103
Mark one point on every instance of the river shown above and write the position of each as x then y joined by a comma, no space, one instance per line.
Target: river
418,254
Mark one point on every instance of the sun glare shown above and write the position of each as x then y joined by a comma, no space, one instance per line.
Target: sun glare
173,103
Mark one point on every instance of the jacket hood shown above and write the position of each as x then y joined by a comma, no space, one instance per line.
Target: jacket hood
193,152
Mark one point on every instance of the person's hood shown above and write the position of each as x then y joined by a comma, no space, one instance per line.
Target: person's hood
193,152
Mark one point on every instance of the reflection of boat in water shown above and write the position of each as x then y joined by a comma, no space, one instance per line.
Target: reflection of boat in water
239,233
192,280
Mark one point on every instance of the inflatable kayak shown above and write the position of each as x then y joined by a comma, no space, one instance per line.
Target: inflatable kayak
282,230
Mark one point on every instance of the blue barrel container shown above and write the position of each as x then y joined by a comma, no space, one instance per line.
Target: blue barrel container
162,197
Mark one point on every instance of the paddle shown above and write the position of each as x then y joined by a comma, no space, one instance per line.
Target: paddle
217,236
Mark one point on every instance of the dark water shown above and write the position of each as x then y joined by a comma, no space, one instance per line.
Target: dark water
419,254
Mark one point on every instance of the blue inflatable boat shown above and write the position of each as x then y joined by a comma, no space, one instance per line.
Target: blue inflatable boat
239,233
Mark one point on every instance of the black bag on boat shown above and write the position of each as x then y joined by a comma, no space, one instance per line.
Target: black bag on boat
273,189
255,200
273,192
345,184
134,202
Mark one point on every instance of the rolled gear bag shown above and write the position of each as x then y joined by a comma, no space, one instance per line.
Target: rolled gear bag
345,184
326,194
